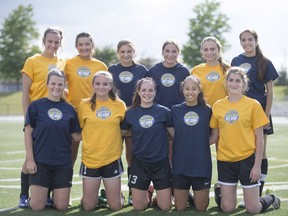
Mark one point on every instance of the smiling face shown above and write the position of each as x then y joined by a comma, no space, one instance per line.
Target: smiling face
147,93
170,53
248,43
126,55
85,47
101,86
56,86
210,51
191,90
51,42
235,84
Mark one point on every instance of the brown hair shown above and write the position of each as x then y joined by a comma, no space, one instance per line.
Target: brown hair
261,60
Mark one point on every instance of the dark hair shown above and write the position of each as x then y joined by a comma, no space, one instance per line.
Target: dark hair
54,30
261,60
136,101
200,98
223,64
85,34
58,73
241,72
113,95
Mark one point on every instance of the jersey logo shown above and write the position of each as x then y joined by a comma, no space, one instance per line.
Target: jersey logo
191,118
103,113
125,76
231,116
146,121
83,72
246,67
55,114
167,80
213,76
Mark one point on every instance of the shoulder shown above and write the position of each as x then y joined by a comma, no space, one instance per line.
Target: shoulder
161,107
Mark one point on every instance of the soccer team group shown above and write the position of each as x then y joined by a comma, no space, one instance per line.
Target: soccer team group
167,117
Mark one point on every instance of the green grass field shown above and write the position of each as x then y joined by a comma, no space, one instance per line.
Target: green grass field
12,154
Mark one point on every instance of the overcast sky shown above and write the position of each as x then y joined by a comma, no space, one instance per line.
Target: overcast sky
150,22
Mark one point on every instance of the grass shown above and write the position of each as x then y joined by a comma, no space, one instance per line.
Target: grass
12,154
10,103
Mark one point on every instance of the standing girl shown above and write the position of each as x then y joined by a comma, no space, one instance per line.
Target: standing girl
238,122
125,75
99,118
79,71
34,74
50,125
191,141
149,123
212,72
168,75
261,74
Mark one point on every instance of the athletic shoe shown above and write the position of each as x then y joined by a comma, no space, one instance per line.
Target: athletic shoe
102,201
217,193
49,202
277,202
241,204
191,200
23,202
130,201
150,194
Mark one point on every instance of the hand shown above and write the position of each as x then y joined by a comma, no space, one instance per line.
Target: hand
31,167
255,174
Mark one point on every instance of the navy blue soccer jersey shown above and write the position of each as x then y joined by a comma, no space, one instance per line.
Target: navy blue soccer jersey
256,87
168,82
191,148
52,123
149,134
125,79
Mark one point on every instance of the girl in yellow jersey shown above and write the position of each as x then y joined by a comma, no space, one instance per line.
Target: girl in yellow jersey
99,118
212,72
238,121
34,75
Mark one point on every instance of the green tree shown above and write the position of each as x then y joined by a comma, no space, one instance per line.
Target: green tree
282,79
107,54
208,21
16,35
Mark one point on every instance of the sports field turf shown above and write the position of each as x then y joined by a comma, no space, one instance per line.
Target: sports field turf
12,154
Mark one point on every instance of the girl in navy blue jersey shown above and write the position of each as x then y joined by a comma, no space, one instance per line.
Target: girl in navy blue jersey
168,75
125,75
261,74
50,125
191,161
149,122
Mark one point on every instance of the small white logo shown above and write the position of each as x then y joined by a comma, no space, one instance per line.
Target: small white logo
206,183
116,171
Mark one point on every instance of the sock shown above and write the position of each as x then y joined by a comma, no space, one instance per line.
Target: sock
266,202
128,173
24,184
217,192
264,171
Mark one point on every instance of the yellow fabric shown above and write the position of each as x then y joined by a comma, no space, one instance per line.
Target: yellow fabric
212,80
37,68
101,133
79,74
236,122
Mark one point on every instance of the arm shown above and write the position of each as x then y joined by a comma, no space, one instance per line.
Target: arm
76,138
259,143
26,84
171,131
214,136
269,89
31,165
125,133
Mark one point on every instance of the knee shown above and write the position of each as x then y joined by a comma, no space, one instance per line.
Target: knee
115,207
61,207
37,207
88,207
165,208
227,208
180,207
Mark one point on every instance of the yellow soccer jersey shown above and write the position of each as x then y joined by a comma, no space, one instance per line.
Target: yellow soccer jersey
37,68
236,122
79,74
101,133
212,80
